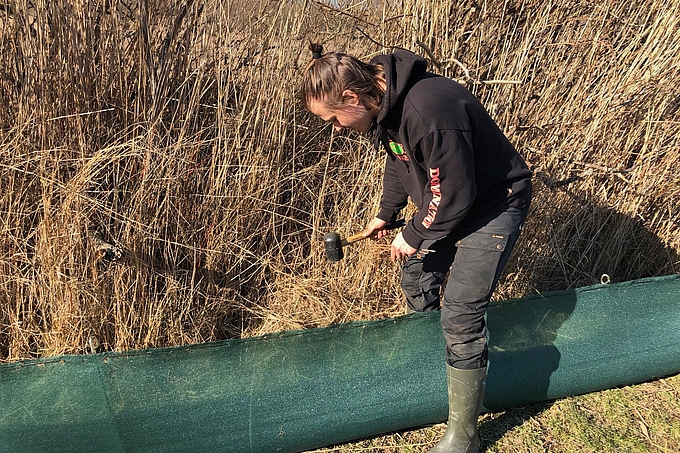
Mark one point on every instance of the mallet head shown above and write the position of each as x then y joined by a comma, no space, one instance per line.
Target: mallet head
333,246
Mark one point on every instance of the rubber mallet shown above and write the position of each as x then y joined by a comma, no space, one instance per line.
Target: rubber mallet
334,244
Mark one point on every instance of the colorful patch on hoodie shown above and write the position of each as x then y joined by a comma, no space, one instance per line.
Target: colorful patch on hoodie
398,151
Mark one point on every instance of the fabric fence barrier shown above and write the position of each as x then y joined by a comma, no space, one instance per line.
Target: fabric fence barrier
300,390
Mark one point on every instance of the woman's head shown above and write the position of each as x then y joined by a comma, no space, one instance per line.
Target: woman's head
336,83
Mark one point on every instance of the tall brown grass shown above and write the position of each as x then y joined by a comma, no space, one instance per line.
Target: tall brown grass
172,130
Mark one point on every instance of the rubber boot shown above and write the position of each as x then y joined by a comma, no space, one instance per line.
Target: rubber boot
466,394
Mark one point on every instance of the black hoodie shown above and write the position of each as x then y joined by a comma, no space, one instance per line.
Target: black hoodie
443,150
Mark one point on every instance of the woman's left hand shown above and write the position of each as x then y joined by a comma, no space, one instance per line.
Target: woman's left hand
400,249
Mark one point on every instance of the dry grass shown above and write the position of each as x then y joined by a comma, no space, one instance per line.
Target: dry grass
637,419
172,131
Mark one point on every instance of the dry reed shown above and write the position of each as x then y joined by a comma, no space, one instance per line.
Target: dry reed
172,131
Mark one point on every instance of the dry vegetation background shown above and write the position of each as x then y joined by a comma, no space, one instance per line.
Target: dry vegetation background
172,131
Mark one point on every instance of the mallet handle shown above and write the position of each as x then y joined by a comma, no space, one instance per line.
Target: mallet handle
360,236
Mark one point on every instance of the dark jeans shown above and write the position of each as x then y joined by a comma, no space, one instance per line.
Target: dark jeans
473,255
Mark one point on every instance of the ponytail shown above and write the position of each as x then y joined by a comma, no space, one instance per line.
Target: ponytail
316,49
327,76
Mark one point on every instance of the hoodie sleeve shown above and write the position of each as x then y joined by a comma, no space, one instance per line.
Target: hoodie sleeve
394,196
450,190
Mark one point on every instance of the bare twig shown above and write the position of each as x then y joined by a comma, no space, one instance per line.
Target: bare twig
435,60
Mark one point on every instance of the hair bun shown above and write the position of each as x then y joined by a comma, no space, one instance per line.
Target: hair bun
317,50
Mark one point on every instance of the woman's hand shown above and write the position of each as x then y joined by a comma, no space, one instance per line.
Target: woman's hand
375,229
400,249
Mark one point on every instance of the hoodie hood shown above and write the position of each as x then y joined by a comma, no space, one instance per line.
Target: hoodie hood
402,70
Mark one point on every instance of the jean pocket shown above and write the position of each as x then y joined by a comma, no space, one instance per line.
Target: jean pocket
492,242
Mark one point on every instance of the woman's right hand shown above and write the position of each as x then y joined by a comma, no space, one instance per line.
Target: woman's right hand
375,229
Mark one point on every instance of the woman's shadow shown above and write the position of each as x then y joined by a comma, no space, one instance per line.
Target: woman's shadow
523,356
586,241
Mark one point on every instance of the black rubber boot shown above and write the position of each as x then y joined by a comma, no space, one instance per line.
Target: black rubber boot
466,394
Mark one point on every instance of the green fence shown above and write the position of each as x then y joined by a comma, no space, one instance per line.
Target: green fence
295,391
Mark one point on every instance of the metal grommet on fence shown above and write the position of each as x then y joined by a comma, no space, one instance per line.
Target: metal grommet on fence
604,279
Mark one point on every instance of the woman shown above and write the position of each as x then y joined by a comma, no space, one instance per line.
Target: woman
470,185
